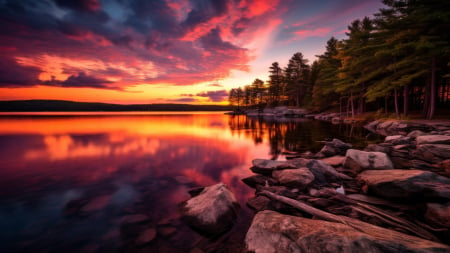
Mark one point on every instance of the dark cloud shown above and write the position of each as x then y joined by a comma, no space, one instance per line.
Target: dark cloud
204,10
14,75
215,85
182,100
82,81
79,5
214,96
213,41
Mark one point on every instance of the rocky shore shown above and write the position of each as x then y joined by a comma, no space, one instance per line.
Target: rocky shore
392,196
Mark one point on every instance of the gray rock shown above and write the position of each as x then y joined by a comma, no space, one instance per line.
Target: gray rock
438,214
384,148
397,139
405,184
334,147
357,161
323,173
433,139
299,178
372,126
414,134
334,160
432,152
274,232
264,166
213,211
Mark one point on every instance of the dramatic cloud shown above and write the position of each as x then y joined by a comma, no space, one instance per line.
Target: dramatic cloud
214,96
124,44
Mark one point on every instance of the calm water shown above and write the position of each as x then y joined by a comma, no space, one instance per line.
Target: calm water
73,183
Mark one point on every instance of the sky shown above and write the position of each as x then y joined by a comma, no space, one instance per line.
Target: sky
158,51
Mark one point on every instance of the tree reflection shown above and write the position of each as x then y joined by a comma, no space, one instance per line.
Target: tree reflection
296,134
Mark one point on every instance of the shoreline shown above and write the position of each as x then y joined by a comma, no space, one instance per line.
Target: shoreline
339,183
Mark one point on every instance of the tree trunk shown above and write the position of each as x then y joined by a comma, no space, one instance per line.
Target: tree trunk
353,105
426,100
397,113
432,89
386,105
405,100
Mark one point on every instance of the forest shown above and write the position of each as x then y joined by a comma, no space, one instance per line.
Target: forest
397,61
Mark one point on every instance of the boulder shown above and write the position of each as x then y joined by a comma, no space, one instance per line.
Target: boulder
372,126
298,178
264,166
406,184
334,147
433,139
334,160
438,214
383,147
432,152
414,134
323,173
274,232
397,139
213,211
357,160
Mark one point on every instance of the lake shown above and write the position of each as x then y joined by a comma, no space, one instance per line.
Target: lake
93,182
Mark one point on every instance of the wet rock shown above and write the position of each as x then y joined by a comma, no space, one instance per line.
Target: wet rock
406,184
445,166
274,232
334,160
146,236
438,214
264,166
357,161
323,173
433,139
384,148
213,211
334,147
432,152
414,134
258,203
397,139
299,178
372,126
255,180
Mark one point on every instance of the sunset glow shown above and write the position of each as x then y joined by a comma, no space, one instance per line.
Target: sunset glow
159,51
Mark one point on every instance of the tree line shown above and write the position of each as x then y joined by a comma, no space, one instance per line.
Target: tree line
398,60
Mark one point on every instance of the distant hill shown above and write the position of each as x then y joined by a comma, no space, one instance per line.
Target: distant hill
71,106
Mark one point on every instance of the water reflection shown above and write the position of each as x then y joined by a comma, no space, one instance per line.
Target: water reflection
297,134
93,183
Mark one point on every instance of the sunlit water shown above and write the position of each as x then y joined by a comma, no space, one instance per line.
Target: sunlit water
71,182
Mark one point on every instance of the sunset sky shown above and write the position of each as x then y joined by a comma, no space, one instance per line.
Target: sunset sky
158,51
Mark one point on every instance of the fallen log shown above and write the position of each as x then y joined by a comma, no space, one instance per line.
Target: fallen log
354,223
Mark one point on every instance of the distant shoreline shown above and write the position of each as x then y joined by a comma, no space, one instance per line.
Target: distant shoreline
71,106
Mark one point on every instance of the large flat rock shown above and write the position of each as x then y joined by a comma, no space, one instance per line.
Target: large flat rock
272,232
406,184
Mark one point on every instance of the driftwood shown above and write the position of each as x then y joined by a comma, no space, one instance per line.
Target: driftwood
354,223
